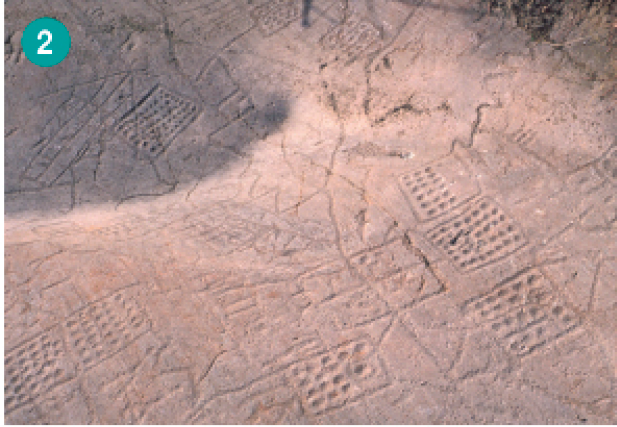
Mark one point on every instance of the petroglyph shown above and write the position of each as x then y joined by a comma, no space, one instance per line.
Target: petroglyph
77,123
431,194
608,164
352,37
35,368
317,378
401,276
310,212
103,328
524,313
480,235
275,15
68,350
156,119
338,376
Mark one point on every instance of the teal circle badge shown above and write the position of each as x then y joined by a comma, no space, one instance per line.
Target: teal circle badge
46,42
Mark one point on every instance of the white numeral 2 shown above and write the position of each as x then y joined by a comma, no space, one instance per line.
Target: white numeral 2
42,50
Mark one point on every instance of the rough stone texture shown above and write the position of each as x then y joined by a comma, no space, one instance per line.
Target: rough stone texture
316,211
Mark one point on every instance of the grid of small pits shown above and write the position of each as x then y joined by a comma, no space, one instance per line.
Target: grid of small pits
609,164
558,321
482,234
103,328
428,192
528,288
354,36
229,18
329,380
32,369
523,313
157,119
276,15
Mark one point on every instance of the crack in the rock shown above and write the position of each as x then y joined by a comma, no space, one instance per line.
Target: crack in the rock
476,123
408,243
406,107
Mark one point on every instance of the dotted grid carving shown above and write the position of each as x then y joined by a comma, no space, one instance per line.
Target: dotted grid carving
222,20
275,15
480,235
34,368
104,327
93,334
608,164
156,120
338,376
76,124
523,313
352,37
436,189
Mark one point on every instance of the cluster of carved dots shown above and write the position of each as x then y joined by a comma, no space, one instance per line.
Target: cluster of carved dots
353,36
275,15
32,369
521,311
155,122
429,192
103,328
328,381
480,235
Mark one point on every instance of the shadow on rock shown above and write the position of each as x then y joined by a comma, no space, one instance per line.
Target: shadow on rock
103,144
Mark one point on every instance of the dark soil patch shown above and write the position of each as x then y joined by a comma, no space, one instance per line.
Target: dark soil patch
539,16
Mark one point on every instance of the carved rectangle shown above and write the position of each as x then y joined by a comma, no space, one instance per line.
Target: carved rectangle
436,189
226,21
60,151
385,261
400,276
608,164
34,368
230,237
480,235
76,125
115,99
235,106
352,37
410,286
338,376
216,84
523,312
156,120
558,321
275,15
104,327
353,308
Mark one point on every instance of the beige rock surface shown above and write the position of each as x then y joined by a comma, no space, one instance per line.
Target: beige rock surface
326,211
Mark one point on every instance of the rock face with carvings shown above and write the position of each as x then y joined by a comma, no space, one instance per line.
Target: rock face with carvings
292,211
